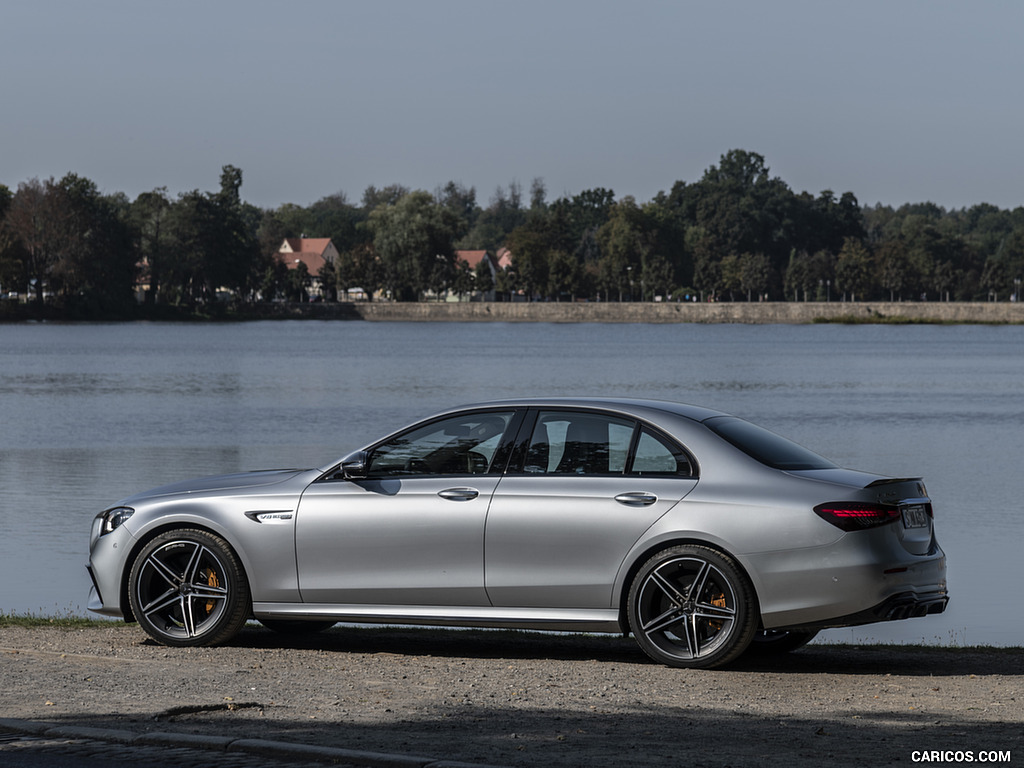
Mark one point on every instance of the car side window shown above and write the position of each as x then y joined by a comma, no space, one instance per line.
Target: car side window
657,456
576,443
463,445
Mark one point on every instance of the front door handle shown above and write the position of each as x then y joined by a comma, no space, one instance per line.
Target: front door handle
459,494
636,499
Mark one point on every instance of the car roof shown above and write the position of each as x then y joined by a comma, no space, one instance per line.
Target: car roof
634,406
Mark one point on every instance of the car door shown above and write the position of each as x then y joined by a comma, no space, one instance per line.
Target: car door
587,485
411,532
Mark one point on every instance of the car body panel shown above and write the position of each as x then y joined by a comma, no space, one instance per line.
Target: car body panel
394,541
553,542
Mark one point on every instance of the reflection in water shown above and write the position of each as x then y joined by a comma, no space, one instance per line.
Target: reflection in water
92,413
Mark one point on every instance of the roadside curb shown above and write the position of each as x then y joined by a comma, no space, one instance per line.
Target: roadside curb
261,747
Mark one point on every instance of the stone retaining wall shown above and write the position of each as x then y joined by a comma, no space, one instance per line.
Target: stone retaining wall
612,312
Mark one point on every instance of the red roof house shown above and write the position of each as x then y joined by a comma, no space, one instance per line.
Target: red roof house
314,252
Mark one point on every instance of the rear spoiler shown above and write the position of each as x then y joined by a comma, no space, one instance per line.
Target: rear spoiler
892,480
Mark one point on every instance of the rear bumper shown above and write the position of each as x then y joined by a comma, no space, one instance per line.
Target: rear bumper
906,605
857,580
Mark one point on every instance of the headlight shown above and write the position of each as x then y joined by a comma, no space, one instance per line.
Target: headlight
112,518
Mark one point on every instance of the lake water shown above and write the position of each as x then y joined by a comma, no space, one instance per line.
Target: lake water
90,413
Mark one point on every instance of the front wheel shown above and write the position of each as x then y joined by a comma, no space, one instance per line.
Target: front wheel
691,606
188,588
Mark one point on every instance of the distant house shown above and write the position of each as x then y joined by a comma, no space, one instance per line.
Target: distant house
504,258
313,252
473,258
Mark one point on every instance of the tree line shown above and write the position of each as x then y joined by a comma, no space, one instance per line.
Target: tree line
736,234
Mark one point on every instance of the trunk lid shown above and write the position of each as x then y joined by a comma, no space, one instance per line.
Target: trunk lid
915,524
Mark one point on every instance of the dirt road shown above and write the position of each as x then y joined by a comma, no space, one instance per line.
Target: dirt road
526,698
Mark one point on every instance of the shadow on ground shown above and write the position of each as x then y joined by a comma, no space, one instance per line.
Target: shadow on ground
507,644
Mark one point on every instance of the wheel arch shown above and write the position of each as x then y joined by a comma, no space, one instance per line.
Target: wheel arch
152,533
641,556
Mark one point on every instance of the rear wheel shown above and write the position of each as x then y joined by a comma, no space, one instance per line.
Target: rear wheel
691,606
187,588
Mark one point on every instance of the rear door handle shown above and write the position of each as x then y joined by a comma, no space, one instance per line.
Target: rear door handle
636,499
459,494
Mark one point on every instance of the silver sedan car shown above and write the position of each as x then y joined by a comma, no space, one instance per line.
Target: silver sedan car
702,534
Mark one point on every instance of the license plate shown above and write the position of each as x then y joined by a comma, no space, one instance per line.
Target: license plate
914,516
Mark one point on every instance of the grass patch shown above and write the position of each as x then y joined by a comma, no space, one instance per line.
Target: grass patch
878,319
63,621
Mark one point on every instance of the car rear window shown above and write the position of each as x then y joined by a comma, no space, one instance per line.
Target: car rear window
767,447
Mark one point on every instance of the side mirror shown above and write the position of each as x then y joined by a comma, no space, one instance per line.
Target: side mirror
355,466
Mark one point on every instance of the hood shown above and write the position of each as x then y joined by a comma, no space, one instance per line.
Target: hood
236,481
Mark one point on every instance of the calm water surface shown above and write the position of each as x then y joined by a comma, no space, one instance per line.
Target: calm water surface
91,413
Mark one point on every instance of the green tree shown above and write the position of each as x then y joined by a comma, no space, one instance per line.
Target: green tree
12,258
624,240
464,282
731,271
506,283
413,239
35,222
754,274
995,278
944,278
531,248
577,220
149,215
504,213
77,243
853,269
296,284
360,268
707,266
658,277
385,196
334,218
213,244
483,278
742,209
565,275
800,280
893,267
461,203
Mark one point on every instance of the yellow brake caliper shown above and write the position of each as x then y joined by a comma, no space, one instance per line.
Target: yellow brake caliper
211,581
719,602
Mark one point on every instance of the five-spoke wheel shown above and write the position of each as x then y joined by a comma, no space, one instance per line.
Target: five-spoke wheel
691,606
188,588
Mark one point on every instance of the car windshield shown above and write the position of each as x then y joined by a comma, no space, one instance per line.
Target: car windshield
767,447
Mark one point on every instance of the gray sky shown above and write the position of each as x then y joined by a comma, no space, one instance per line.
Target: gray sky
893,100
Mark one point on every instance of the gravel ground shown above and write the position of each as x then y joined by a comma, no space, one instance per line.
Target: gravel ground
525,698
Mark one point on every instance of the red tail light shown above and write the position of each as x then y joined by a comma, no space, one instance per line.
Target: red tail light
856,516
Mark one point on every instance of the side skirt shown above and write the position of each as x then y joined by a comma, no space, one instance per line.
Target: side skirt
554,619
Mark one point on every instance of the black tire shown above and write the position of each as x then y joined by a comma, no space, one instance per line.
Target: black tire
770,642
691,606
296,626
188,588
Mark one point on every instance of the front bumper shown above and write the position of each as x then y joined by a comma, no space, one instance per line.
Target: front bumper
107,561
